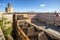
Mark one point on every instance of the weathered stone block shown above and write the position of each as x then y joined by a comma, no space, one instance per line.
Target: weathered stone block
42,36
31,31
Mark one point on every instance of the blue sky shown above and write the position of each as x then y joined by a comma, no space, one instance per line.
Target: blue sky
31,5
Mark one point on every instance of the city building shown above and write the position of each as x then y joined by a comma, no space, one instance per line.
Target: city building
9,9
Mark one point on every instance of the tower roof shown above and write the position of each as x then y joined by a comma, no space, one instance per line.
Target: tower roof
9,5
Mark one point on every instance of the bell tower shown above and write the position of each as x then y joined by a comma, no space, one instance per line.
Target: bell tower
9,9
9,5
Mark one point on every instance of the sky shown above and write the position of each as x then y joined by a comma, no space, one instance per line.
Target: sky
31,5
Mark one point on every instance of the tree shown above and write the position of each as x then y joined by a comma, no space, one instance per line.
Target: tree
6,30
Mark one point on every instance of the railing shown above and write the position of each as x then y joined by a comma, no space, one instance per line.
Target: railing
21,34
32,33
50,33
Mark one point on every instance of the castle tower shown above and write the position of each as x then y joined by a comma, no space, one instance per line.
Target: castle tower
9,9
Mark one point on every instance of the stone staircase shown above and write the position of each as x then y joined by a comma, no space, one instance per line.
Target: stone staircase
33,33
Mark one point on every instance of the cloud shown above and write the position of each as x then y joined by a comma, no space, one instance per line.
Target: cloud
42,5
2,4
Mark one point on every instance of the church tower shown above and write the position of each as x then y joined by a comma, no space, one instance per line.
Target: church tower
9,9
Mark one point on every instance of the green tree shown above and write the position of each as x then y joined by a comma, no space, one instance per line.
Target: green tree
6,31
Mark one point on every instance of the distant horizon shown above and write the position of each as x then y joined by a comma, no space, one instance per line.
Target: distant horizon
37,12
32,12
31,5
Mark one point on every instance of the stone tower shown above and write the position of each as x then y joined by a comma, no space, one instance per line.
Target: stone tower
9,9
